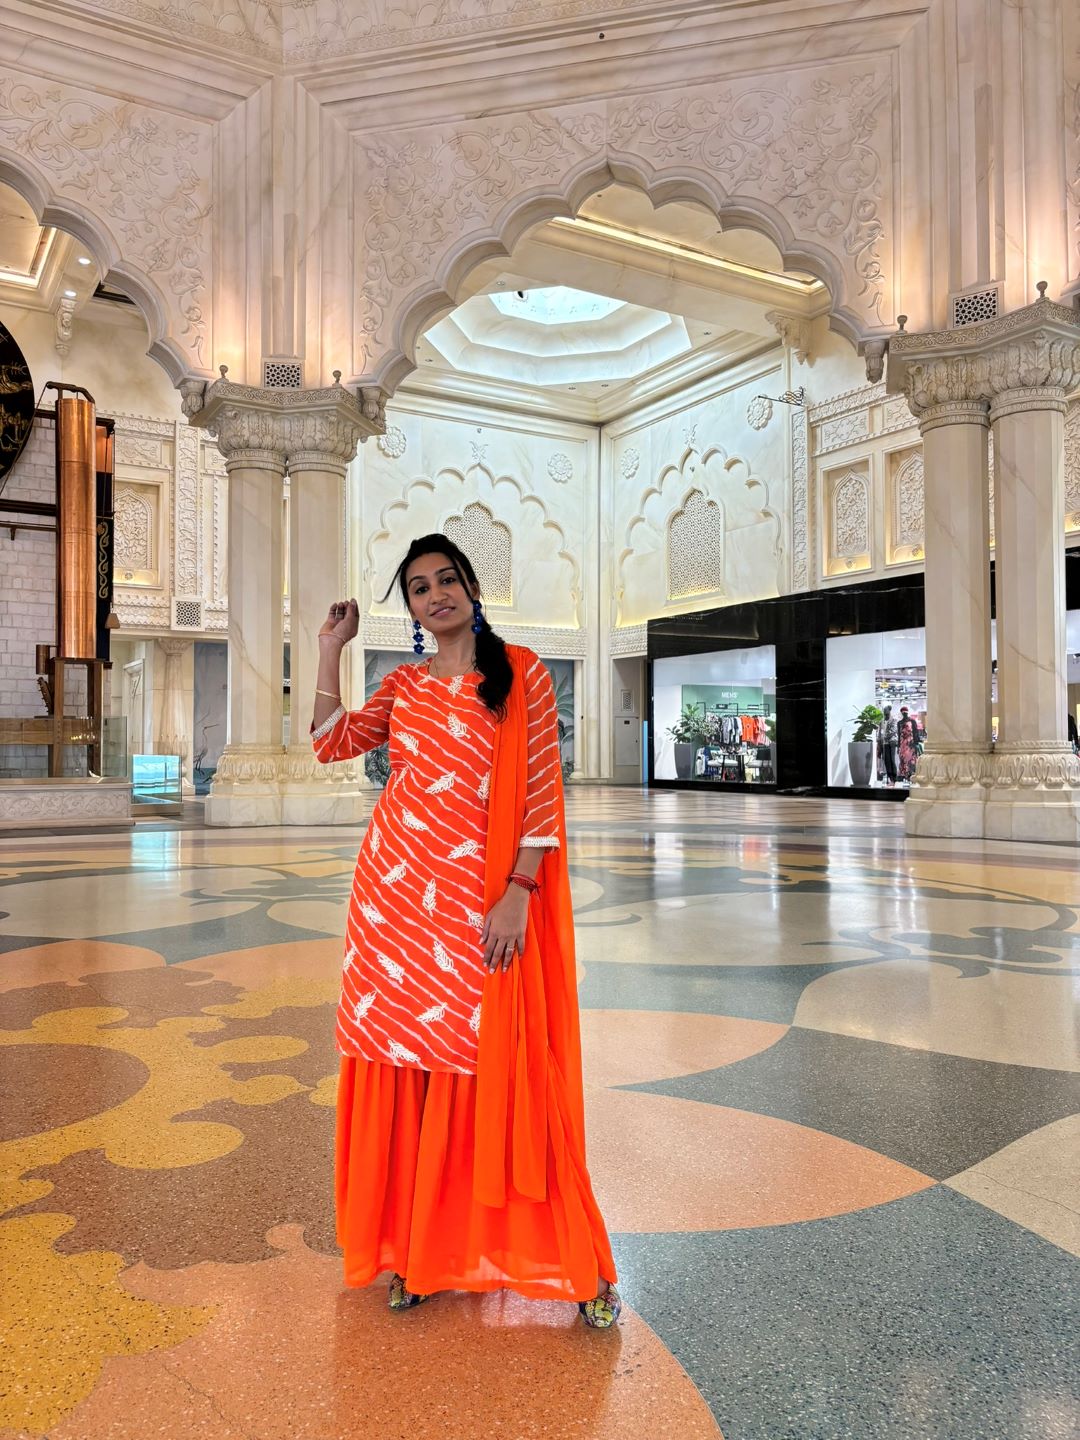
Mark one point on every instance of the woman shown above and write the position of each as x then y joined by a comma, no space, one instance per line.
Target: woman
460,1132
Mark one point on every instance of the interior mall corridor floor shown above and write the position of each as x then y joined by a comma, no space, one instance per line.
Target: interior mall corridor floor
832,1087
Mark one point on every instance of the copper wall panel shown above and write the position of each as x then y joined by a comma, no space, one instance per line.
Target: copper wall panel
76,528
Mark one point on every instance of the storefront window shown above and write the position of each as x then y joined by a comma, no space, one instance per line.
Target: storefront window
875,707
714,717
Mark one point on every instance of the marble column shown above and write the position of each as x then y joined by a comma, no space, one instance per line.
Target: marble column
262,433
1036,783
174,706
1013,371
314,794
245,788
948,794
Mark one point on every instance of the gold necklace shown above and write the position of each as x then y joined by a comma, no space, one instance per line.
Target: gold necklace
435,676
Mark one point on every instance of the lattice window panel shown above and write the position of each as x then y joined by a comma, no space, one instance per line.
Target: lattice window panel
976,305
695,548
487,544
187,613
283,374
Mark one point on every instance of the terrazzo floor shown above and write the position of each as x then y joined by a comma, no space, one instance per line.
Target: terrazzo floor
832,1079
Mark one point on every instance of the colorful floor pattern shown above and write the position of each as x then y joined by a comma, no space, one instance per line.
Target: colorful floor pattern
833,1089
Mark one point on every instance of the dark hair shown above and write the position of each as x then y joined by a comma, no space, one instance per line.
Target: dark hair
491,658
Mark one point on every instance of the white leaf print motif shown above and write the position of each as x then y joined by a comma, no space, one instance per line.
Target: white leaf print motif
474,1021
409,742
484,787
444,782
456,684
475,919
363,1005
350,956
376,839
399,1053
429,1017
442,959
457,727
371,915
392,968
397,873
467,847
430,897
410,821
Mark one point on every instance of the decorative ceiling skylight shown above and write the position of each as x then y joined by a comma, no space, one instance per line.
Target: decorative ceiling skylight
555,305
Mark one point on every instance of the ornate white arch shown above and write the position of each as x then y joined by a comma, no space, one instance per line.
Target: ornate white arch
442,200
132,186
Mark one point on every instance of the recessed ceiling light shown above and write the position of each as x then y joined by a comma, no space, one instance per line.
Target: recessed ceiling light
70,294
85,260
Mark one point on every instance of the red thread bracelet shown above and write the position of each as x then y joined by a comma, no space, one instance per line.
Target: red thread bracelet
525,881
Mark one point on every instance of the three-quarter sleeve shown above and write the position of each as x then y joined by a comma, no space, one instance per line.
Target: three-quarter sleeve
543,794
348,733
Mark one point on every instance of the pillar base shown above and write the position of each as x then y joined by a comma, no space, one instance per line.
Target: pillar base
314,794
948,794
270,785
1035,794
246,788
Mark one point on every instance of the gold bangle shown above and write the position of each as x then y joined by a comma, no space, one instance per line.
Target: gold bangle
329,694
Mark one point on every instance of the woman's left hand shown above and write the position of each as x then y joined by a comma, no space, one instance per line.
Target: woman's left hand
504,930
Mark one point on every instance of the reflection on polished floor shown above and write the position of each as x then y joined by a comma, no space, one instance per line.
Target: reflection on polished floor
832,1077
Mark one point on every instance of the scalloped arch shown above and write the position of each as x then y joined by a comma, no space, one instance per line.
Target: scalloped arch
432,301
77,220
526,497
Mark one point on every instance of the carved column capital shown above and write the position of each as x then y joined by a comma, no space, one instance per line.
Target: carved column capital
1029,359
278,429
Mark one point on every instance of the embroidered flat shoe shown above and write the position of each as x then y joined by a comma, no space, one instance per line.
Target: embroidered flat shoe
602,1312
401,1298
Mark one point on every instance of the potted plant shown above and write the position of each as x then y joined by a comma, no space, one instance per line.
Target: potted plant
861,746
689,734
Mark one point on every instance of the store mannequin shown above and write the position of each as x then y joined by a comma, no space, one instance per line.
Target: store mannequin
888,739
907,732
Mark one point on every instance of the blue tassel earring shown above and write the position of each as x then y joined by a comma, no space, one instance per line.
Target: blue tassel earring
418,638
477,618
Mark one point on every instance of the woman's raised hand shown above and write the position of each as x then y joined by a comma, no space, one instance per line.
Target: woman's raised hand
343,621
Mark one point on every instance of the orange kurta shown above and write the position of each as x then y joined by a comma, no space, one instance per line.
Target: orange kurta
456,1179
413,973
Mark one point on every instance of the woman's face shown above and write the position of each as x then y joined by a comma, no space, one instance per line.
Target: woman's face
437,598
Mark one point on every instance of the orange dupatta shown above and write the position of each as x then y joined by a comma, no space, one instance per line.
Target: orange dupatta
529,1057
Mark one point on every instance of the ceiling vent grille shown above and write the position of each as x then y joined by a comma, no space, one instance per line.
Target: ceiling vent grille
974,305
283,374
187,613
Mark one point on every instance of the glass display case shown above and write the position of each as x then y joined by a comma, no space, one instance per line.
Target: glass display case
156,782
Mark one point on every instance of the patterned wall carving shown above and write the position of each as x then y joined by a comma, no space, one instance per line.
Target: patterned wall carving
135,526
144,174
695,557
812,146
488,545
849,520
1072,466
908,501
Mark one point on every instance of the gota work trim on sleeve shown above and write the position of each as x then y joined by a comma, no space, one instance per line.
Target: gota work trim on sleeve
539,842
328,724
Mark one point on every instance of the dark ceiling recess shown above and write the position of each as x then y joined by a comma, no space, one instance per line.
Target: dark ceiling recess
102,292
